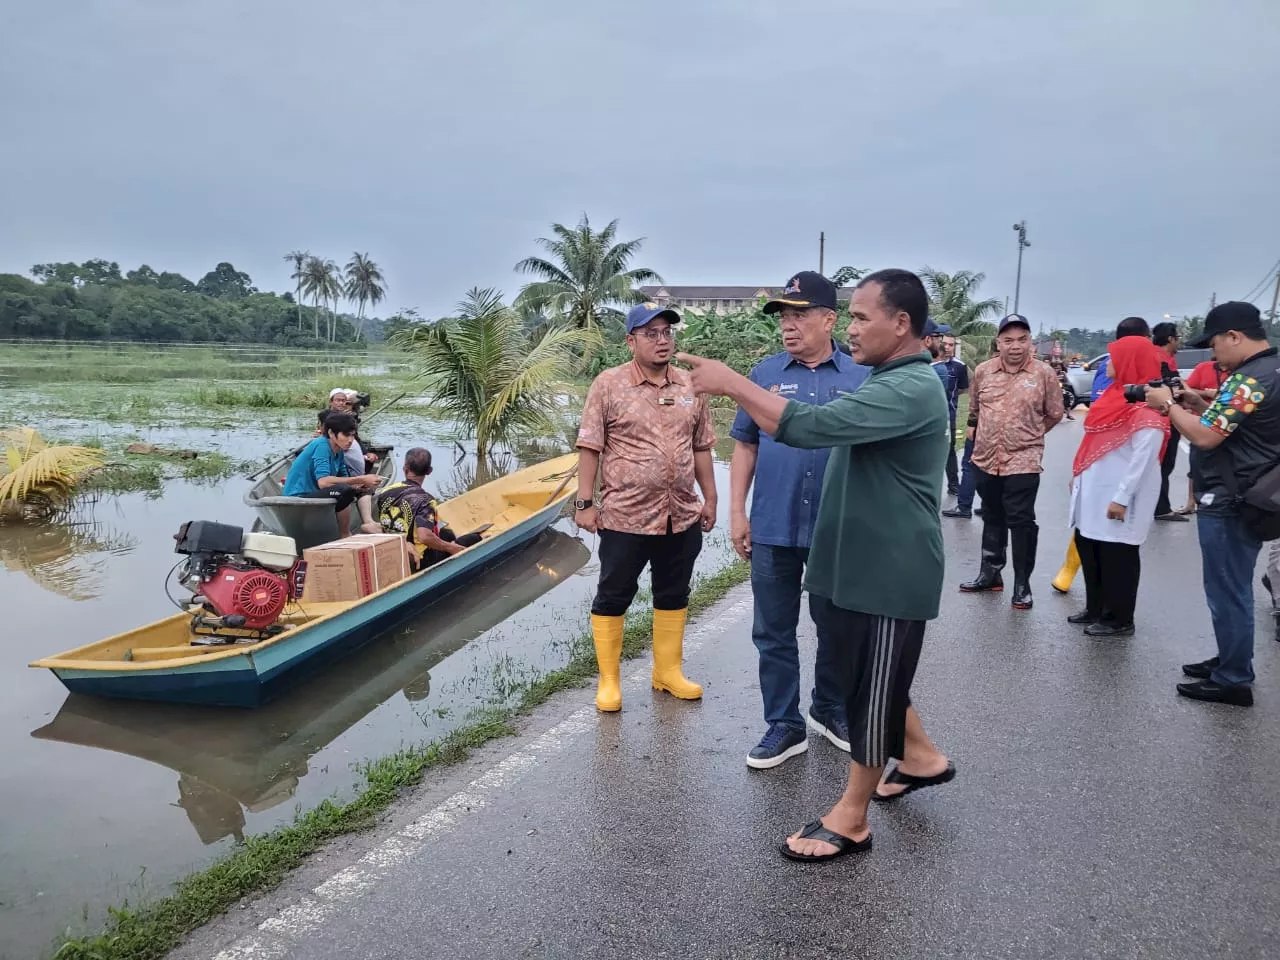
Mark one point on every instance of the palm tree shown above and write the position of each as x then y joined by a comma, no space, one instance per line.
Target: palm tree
495,380
298,258
586,279
365,285
320,282
37,479
951,301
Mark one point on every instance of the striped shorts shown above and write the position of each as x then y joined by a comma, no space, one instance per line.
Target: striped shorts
876,659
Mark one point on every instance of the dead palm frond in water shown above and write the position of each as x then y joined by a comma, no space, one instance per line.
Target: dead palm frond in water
36,476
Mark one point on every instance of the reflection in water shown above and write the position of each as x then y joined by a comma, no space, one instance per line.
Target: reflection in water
232,761
68,555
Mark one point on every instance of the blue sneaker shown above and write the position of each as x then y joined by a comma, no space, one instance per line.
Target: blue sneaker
780,744
830,726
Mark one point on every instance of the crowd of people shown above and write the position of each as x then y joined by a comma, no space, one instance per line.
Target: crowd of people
849,453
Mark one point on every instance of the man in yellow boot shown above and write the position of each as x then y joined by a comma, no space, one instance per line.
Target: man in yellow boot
649,438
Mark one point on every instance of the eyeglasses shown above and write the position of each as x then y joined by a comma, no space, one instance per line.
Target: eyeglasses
656,335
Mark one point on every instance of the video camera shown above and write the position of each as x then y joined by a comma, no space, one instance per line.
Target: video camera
360,403
1137,392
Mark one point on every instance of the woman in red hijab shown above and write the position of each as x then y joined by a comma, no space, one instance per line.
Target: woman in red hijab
1114,490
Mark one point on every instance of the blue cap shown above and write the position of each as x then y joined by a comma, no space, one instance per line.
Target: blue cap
1014,319
645,313
934,329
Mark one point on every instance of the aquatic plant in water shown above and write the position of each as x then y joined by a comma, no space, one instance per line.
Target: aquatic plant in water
37,479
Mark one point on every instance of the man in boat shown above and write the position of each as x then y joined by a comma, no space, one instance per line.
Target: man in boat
343,400
321,471
650,438
409,510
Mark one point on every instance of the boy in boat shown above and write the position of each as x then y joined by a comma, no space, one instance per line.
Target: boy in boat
409,510
321,471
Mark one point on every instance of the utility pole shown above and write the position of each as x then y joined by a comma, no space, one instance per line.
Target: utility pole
1021,228
1213,300
1275,299
822,252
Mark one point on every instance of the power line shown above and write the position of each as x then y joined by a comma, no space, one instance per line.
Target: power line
1262,284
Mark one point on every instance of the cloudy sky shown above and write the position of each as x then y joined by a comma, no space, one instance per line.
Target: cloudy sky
1139,140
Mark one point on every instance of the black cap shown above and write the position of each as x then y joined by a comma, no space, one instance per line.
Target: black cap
1232,315
1014,319
807,288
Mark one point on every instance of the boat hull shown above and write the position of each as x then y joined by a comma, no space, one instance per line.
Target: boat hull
257,676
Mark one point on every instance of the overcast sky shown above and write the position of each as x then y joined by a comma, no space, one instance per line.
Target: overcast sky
1139,140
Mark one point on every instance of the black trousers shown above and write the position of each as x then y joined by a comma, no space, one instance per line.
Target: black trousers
1009,515
342,496
1111,573
953,467
435,556
1166,468
623,556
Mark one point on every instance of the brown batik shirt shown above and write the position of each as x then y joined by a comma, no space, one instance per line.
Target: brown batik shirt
646,434
1013,411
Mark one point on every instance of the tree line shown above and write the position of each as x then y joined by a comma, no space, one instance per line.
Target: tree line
93,300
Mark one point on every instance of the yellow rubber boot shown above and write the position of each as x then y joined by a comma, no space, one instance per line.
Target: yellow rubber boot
668,654
1070,566
607,634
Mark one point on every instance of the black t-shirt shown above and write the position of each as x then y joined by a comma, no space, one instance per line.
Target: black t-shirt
1246,413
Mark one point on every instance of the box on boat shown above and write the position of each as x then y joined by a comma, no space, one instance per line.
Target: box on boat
390,561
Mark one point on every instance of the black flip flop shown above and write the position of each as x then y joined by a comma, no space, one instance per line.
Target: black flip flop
816,831
914,783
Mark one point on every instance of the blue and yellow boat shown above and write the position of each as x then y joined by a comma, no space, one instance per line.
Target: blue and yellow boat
159,661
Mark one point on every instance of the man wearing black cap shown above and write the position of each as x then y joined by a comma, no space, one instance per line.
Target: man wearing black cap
1019,400
1235,440
776,537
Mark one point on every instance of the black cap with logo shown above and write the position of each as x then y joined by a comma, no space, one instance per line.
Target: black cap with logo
1013,320
1232,315
808,288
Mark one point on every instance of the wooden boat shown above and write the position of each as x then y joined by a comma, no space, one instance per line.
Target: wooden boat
309,521
231,762
159,662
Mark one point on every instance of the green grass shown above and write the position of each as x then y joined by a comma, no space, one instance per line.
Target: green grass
150,930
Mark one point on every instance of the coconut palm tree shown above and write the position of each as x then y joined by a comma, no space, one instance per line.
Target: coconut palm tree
495,380
365,285
37,479
298,258
951,301
320,282
586,280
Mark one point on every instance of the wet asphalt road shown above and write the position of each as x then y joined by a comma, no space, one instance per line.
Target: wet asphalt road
1095,813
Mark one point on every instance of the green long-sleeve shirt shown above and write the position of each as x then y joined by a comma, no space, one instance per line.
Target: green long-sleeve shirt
877,545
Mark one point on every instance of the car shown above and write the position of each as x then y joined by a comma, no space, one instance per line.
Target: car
1080,375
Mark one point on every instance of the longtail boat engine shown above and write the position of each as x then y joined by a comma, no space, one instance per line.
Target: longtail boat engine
240,582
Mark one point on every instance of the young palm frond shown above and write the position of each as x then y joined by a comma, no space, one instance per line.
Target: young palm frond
31,468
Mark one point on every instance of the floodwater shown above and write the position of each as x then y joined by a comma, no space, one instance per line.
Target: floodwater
107,801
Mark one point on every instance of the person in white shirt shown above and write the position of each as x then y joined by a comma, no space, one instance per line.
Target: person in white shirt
1114,487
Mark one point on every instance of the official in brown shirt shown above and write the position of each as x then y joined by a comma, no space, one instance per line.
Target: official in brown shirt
649,437
1016,399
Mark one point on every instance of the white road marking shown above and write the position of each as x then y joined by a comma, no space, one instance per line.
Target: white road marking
278,934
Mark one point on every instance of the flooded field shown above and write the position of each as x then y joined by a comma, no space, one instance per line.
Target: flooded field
109,801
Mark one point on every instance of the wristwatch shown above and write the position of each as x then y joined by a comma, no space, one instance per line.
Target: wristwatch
580,504
1165,408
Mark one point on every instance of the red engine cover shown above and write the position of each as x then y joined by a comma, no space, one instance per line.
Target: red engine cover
257,595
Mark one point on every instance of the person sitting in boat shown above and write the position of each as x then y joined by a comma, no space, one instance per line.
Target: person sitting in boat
342,400
409,510
321,471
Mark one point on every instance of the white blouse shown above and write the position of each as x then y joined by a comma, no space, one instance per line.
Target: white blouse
1129,476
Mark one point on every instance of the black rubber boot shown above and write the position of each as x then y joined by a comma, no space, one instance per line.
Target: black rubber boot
993,556
1023,541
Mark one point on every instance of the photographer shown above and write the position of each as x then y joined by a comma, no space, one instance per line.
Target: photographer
1165,336
1235,439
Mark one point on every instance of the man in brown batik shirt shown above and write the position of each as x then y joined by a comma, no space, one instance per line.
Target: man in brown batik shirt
649,438
1019,400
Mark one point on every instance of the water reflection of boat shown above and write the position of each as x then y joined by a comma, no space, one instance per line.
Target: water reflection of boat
231,763
67,556
159,661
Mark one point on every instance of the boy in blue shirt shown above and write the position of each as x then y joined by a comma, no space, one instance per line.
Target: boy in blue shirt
320,472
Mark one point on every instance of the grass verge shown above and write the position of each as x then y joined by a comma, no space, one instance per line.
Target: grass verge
151,930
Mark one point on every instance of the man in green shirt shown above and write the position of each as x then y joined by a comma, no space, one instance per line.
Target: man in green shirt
875,567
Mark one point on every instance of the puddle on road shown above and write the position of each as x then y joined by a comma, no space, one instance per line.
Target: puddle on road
107,800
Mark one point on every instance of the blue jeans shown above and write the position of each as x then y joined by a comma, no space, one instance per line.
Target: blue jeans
968,479
776,578
1228,554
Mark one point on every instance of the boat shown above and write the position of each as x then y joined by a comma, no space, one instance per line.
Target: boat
309,521
230,763
168,661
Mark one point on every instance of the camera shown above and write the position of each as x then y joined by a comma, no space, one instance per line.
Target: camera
1137,392
360,403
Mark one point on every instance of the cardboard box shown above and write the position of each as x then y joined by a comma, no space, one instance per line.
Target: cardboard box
390,560
341,570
